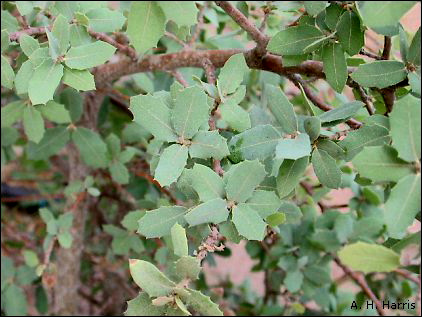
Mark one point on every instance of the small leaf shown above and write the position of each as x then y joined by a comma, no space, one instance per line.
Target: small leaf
11,113
89,55
15,303
264,202
150,279
130,220
79,79
379,74
332,15
28,44
33,124
7,73
334,150
335,67
231,74
208,144
79,35
293,280
414,53
61,32
368,258
65,239
181,12
315,7
312,126
188,267
31,258
291,211
349,33
105,20
91,147
119,172
326,169
145,25
290,174
23,77
236,117
200,303
276,219
340,114
206,182
8,22
212,211
53,141
55,112
248,222
294,149
142,306
73,102
171,164
414,81
179,240
158,222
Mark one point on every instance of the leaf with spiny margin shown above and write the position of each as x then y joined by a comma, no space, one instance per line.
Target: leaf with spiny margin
145,25
281,108
326,169
33,124
414,53
241,183
293,40
405,121
105,20
335,67
207,144
199,302
12,112
315,7
373,162
290,174
79,79
171,164
91,147
180,12
179,240
53,141
294,149
7,73
340,114
349,33
55,112
292,212
206,182
44,82
28,44
368,135
188,267
142,306
23,77
402,205
380,74
368,258
150,279
190,111
256,143
264,202
212,211
89,55
61,32
248,222
334,150
153,115
312,126
231,75
236,117
119,172
158,222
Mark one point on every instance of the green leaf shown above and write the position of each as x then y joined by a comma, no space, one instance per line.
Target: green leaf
380,74
212,211
79,79
312,126
365,257
340,114
326,169
8,271
44,82
405,121
276,219
208,144
119,172
315,7
294,149
142,306
15,303
61,32
281,108
206,182
402,205
289,175
242,181
53,45
79,35
190,111
368,135
130,220
171,164
153,115
5,41
65,239
23,77
158,222
414,53
73,102
8,22
105,20
145,25
256,143
150,279
28,44
200,303
343,225
24,7
335,67
91,147
39,56
248,222
7,73
179,240
65,221
332,15
414,81
384,18
231,74
31,258
12,112
264,202
53,141
33,124
331,148
55,112
349,33
373,162
89,55
25,275
292,212
180,12
67,8
293,281
188,267
236,117
293,40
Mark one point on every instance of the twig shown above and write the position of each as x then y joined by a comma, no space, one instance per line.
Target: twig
199,26
369,54
210,244
31,31
388,96
360,280
407,275
176,39
363,96
387,48
209,71
267,12
310,191
129,51
179,77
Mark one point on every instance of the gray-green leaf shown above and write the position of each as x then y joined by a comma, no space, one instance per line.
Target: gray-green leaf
79,79
326,169
53,141
206,182
212,211
33,124
340,114
248,222
171,164
89,55
158,222
207,144
7,73
91,147
105,20
294,149
232,73
380,74
349,33
335,67
179,240
236,117
290,174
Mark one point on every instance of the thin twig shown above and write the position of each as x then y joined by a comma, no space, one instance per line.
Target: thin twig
179,77
407,275
211,244
387,47
176,39
125,49
199,26
363,96
369,54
